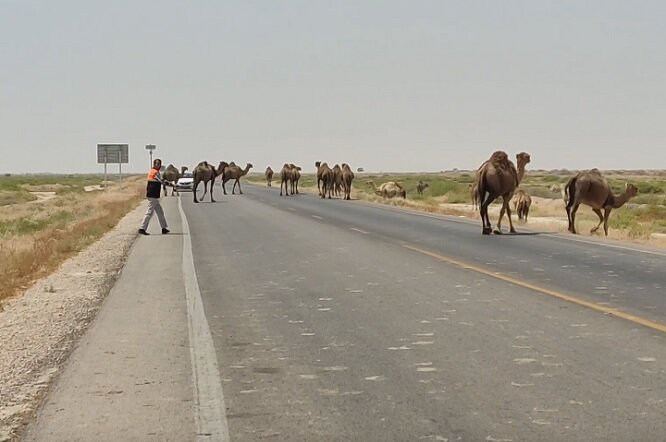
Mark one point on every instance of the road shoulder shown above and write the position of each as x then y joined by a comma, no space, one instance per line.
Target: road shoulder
129,378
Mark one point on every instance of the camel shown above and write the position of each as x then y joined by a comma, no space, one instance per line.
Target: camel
285,178
521,203
389,189
233,172
347,179
206,172
592,189
337,179
295,178
170,175
269,176
325,179
473,194
498,177
420,187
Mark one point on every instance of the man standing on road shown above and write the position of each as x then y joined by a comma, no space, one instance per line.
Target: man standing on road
153,193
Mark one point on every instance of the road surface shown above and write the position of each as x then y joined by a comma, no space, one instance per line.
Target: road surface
335,320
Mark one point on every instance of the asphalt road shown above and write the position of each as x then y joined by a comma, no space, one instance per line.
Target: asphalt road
335,320
327,327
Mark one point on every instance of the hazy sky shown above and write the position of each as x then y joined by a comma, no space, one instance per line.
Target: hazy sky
385,85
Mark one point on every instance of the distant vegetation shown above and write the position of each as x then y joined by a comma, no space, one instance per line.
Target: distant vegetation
36,237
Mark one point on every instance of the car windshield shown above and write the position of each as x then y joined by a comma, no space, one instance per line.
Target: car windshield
187,175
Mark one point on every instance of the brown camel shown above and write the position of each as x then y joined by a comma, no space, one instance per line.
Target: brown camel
592,189
473,194
206,172
389,189
521,203
170,175
319,172
326,178
233,172
285,178
295,178
347,179
337,180
420,187
269,176
498,177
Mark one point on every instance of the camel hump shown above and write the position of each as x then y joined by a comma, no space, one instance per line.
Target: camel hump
499,158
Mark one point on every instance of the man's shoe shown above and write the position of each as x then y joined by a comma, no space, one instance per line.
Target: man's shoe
165,231
143,232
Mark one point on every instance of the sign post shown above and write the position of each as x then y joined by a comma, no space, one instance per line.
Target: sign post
150,148
113,153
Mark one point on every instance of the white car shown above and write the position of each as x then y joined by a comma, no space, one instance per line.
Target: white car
185,182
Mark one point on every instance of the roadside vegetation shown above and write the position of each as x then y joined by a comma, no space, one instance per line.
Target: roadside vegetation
37,234
448,193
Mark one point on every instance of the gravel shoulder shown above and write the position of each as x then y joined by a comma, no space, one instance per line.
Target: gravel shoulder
39,329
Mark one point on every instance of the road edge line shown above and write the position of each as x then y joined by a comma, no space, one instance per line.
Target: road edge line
209,407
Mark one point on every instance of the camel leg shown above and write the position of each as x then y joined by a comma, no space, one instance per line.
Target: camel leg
205,190
233,188
601,220
212,184
508,214
485,219
607,212
499,221
224,187
239,187
194,192
572,221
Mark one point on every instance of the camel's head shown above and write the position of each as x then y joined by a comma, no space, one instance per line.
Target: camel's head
631,190
317,164
249,165
522,159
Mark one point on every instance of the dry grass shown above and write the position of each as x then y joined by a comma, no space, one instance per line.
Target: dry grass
36,237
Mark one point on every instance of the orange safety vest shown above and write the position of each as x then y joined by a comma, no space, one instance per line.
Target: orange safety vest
152,174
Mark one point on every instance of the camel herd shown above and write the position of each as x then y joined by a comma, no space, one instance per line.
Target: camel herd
205,172
499,177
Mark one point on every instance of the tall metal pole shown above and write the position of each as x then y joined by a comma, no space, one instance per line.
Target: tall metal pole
104,170
150,148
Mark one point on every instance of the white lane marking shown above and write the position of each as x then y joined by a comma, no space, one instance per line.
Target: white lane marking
603,244
358,230
317,217
291,208
209,408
